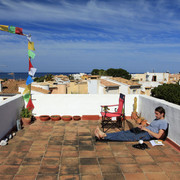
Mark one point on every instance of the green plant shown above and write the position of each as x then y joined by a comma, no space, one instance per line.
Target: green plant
112,72
25,113
55,116
168,92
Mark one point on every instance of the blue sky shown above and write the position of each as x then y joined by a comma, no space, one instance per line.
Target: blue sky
81,35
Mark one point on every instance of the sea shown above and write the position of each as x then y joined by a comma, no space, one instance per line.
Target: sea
24,75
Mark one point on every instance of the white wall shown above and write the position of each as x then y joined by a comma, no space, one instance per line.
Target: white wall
147,106
159,76
101,89
9,113
123,89
92,86
72,104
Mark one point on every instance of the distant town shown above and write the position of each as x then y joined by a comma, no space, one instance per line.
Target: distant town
89,84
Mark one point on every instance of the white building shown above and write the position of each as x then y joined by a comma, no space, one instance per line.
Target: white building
113,85
149,81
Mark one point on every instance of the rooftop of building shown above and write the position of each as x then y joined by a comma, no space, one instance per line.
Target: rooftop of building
68,150
11,86
108,83
125,81
33,88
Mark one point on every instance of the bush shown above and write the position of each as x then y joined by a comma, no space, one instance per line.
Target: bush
25,113
112,72
168,92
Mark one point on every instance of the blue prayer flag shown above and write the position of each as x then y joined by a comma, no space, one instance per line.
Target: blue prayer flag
29,80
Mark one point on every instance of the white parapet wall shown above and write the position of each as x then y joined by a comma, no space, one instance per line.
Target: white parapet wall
146,107
9,113
87,104
76,104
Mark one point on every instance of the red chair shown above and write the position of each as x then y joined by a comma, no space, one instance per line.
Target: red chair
113,119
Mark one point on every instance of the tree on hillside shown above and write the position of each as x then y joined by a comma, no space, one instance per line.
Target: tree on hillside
48,77
112,72
168,92
95,72
100,72
118,73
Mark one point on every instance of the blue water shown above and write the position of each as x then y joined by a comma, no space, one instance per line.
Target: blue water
24,75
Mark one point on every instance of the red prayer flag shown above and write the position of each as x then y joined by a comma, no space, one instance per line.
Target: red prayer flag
18,31
30,65
30,105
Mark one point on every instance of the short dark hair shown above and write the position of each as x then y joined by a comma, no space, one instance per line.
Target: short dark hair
161,110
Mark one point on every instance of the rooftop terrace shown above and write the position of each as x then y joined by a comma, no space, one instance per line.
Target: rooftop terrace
67,150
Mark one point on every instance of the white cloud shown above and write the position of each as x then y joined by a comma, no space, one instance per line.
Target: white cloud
102,33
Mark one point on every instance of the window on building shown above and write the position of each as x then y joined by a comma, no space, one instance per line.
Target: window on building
134,91
154,78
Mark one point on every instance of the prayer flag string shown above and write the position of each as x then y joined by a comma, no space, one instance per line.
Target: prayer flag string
31,55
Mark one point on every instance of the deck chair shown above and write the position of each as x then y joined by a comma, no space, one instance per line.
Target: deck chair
113,119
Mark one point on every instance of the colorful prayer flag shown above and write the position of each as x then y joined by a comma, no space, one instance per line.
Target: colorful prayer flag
28,37
4,28
30,105
31,46
18,31
27,89
30,65
32,71
26,97
29,80
31,54
12,29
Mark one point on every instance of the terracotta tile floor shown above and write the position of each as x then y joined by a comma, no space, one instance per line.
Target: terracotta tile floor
67,150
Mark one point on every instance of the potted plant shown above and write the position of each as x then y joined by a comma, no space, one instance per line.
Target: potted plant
66,118
26,116
55,117
76,118
44,117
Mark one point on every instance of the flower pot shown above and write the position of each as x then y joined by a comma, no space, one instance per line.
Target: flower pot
44,118
67,118
138,120
55,117
144,122
134,115
76,118
26,121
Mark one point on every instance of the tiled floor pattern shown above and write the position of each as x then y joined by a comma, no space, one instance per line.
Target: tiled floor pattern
67,150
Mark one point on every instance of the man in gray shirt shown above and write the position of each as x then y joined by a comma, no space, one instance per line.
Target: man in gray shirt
155,130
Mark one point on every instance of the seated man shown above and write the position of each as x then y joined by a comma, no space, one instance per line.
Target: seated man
154,130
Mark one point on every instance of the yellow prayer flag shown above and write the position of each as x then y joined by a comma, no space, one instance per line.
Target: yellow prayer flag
4,28
27,89
31,46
